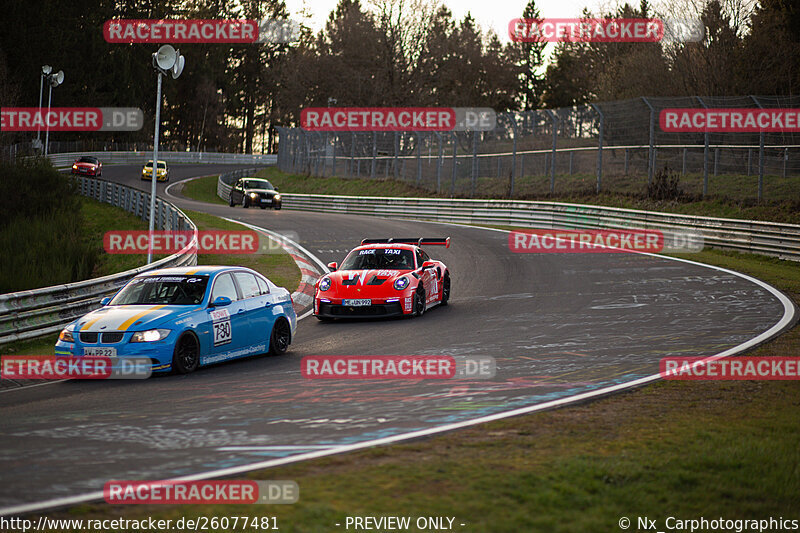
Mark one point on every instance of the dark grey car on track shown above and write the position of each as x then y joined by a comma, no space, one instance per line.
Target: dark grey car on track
255,192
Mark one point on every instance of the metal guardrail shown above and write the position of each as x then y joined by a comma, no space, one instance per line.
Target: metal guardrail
766,238
36,312
112,158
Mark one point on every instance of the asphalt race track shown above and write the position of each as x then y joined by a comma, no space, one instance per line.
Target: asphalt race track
557,325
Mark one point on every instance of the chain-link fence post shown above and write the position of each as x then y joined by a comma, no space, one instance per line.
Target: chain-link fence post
554,118
513,156
705,154
683,162
651,154
374,154
599,147
785,161
352,152
474,163
333,154
419,158
760,154
319,158
396,155
439,164
455,164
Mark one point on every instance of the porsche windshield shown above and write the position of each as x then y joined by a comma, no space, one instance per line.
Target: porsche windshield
165,290
379,259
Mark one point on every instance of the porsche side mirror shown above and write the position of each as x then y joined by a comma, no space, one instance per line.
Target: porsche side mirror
221,301
428,264
333,266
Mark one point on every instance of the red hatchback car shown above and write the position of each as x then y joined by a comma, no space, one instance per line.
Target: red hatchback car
87,166
382,278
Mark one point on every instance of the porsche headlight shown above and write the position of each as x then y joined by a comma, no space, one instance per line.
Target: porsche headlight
401,283
66,336
151,335
325,284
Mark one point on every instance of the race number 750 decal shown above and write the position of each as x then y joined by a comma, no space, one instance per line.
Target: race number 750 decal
221,324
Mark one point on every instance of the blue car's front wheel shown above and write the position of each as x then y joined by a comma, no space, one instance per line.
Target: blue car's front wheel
186,357
280,338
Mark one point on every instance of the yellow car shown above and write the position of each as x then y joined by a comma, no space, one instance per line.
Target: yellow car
162,173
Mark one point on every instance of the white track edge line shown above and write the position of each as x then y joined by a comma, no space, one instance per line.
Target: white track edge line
788,316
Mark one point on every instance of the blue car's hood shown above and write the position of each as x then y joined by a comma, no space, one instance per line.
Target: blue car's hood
132,317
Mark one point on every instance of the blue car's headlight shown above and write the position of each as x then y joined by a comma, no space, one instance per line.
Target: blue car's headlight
401,283
66,336
325,284
151,335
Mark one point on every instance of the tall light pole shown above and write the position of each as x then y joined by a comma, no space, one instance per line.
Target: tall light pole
46,69
54,80
166,61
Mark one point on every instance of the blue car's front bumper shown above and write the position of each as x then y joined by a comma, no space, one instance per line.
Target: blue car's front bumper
160,352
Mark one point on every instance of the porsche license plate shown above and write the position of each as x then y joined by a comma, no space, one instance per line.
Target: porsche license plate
356,303
100,352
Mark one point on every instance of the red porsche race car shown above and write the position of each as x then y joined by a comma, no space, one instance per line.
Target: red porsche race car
384,277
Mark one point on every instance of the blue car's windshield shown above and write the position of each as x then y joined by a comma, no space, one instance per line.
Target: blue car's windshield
166,290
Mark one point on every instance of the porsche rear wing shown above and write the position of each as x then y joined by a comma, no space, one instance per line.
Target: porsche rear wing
419,241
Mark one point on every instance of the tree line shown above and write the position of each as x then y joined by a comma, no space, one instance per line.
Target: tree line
376,53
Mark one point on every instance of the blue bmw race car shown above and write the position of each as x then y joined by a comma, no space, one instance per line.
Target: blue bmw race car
186,317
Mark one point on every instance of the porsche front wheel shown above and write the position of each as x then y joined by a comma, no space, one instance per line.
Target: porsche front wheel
419,302
446,289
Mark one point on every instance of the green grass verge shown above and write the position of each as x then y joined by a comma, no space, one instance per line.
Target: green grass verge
98,218
202,190
280,268
681,449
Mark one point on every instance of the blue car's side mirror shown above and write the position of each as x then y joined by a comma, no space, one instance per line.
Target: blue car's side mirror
105,301
221,301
